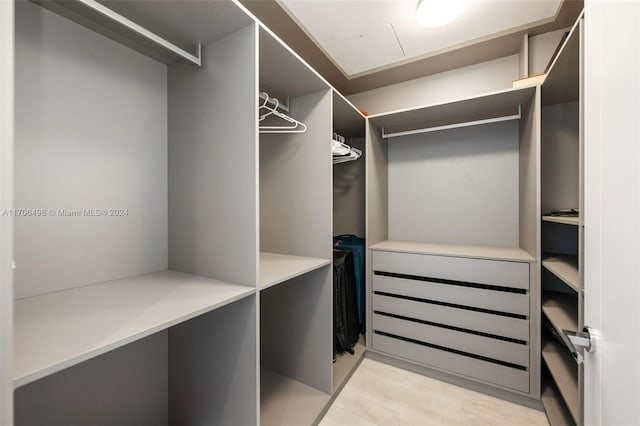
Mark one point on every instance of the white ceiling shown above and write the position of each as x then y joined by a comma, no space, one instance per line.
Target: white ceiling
365,36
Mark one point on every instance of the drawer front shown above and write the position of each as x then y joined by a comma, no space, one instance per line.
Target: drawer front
475,345
493,300
513,328
512,378
480,271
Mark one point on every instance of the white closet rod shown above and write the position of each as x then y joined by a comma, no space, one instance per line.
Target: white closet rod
454,126
272,101
116,17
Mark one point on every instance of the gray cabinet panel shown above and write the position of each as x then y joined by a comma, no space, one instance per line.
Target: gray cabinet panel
512,378
513,328
482,271
467,296
500,350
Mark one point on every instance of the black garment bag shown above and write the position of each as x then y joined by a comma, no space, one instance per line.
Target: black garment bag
345,305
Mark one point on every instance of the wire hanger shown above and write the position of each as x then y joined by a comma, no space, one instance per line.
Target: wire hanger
343,153
290,125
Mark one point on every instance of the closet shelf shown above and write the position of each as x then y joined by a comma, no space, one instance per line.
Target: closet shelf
564,267
562,310
564,371
486,106
100,18
562,81
57,330
557,412
287,401
566,220
458,250
277,268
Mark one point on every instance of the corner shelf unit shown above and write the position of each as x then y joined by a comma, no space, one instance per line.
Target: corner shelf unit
562,236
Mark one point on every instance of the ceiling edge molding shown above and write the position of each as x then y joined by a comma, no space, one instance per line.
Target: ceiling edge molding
274,16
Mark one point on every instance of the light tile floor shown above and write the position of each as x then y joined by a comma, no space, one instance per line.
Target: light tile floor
381,395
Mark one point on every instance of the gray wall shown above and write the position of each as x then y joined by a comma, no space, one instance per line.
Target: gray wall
349,194
126,386
90,133
456,186
560,157
541,48
464,82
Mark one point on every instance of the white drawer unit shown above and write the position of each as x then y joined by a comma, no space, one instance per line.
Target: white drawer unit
467,316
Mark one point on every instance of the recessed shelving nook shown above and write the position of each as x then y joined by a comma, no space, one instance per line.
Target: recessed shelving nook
295,241
348,207
453,239
562,236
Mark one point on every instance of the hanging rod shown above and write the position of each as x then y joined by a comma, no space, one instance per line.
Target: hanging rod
272,101
455,126
116,17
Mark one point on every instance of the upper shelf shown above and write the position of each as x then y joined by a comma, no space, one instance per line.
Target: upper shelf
347,120
563,79
457,250
566,220
491,105
173,26
57,330
283,73
277,268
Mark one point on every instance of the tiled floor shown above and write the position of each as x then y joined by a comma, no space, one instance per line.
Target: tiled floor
381,395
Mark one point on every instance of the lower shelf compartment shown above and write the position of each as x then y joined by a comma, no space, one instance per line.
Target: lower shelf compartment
564,372
557,412
464,366
284,401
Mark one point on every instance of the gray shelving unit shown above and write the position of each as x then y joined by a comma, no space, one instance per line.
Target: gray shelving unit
451,209
563,237
203,294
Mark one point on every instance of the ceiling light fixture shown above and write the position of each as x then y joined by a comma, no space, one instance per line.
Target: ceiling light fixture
437,13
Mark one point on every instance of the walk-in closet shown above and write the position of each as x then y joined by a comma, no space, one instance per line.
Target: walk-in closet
241,212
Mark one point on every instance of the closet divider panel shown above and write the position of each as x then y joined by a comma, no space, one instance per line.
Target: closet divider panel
91,134
127,386
295,182
213,189
377,207
6,203
213,375
529,170
529,222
